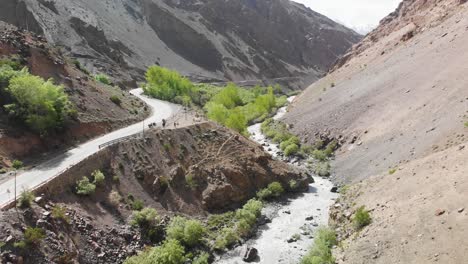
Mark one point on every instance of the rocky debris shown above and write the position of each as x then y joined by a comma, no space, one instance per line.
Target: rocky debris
439,212
460,210
334,189
250,254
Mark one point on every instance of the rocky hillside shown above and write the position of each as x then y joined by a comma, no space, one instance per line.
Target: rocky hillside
193,171
205,39
95,112
398,102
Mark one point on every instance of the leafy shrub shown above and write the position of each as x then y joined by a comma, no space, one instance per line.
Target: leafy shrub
170,252
25,199
60,213
85,187
228,97
188,232
165,84
99,177
41,104
273,190
137,205
191,181
331,147
361,218
145,218
116,178
102,78
392,171
115,198
247,216
466,124
13,64
293,185
203,258
226,238
319,155
17,164
116,100
291,150
33,236
321,250
323,168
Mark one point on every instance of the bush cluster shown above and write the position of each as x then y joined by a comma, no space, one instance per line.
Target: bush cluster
361,218
60,213
116,100
102,78
170,252
32,237
321,250
25,199
278,132
232,226
188,232
146,218
85,187
274,190
41,105
230,106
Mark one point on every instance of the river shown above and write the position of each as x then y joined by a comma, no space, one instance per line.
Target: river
300,215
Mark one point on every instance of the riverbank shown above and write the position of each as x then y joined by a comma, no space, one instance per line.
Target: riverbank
289,235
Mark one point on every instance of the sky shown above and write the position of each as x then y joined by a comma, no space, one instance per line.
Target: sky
360,15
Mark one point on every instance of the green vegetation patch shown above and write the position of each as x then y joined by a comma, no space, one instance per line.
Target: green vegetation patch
320,253
85,187
188,232
361,218
273,190
41,105
170,252
231,106
102,78
25,199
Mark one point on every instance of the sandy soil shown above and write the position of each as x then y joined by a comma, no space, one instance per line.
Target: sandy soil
405,227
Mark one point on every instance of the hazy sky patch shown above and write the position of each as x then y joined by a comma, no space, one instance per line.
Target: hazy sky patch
360,15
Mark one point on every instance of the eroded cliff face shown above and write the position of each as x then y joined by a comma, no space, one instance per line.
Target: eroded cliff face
206,39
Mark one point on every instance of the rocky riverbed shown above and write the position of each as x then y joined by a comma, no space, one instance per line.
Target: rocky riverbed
290,233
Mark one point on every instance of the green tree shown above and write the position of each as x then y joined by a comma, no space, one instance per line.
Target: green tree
170,252
188,232
41,104
165,84
85,187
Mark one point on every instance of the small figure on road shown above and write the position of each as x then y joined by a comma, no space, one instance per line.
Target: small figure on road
164,123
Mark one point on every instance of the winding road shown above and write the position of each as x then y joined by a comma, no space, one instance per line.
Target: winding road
50,169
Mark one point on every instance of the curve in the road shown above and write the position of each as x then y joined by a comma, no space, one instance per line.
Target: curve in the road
52,168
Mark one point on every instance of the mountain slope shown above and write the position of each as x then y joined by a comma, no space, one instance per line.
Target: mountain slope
234,40
401,98
398,102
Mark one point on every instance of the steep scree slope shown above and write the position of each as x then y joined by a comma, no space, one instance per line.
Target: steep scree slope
235,40
399,104
402,98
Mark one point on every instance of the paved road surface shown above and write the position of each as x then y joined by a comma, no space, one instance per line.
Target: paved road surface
51,168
